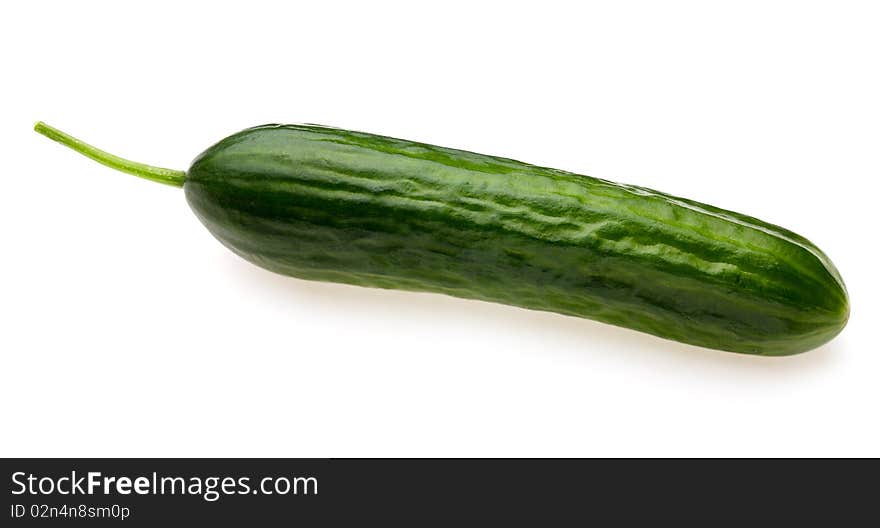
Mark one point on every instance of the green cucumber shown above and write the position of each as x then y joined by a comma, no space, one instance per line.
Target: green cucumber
326,204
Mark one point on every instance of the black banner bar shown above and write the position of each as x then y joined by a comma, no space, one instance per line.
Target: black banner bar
144,492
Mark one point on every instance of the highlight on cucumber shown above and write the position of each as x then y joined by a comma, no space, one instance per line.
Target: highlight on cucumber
327,204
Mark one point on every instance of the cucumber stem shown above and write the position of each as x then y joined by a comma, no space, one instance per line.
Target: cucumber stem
149,172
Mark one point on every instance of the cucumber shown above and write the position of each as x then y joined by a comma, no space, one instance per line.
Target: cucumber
327,204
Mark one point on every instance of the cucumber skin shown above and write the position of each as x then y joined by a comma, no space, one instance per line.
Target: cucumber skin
326,204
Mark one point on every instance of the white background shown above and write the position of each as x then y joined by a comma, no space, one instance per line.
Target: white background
127,330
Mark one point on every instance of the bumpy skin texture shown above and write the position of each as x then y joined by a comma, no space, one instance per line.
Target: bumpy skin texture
334,205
